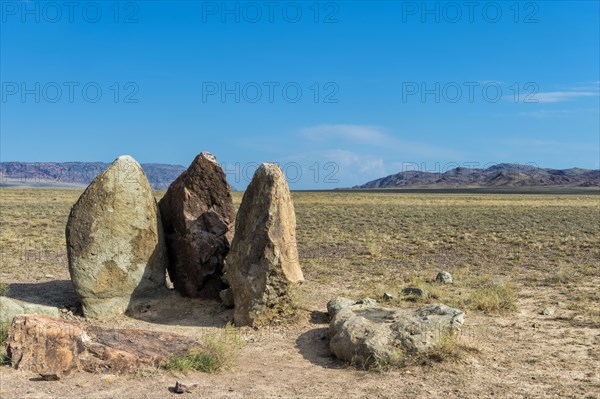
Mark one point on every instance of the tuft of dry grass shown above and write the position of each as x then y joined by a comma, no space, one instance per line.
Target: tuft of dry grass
217,354
450,348
493,298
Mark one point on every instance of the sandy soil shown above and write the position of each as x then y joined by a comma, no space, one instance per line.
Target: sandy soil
520,355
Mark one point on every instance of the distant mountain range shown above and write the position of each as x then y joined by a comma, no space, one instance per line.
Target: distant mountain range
500,175
160,176
76,174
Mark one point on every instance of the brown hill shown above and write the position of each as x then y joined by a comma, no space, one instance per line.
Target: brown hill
501,175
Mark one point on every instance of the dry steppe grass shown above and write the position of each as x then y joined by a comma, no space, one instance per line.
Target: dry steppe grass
511,255
365,244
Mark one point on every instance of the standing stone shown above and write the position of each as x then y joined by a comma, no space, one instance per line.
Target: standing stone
263,264
198,216
115,242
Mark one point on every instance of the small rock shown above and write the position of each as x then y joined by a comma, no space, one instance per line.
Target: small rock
497,282
337,304
548,311
387,296
367,301
9,308
49,376
181,387
444,278
415,292
227,297
558,303
49,276
34,308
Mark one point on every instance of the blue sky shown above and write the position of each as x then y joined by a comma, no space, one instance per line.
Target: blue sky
338,93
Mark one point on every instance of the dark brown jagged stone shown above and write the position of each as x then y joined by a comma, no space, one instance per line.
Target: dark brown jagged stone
198,218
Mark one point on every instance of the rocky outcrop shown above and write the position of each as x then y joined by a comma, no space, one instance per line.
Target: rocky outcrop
368,335
55,347
115,242
198,216
263,265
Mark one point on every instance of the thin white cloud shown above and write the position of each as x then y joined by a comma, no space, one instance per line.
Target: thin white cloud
547,113
335,167
375,136
587,86
360,163
351,168
560,96
354,133
556,113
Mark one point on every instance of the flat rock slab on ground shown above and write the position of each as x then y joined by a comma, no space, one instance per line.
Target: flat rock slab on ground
365,334
43,344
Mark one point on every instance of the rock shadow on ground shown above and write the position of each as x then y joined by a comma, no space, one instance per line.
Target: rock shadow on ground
313,345
58,293
173,309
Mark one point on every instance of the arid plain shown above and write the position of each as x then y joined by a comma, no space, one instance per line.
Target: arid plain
526,271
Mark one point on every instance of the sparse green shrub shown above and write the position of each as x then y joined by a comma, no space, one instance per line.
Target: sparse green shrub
218,354
205,360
